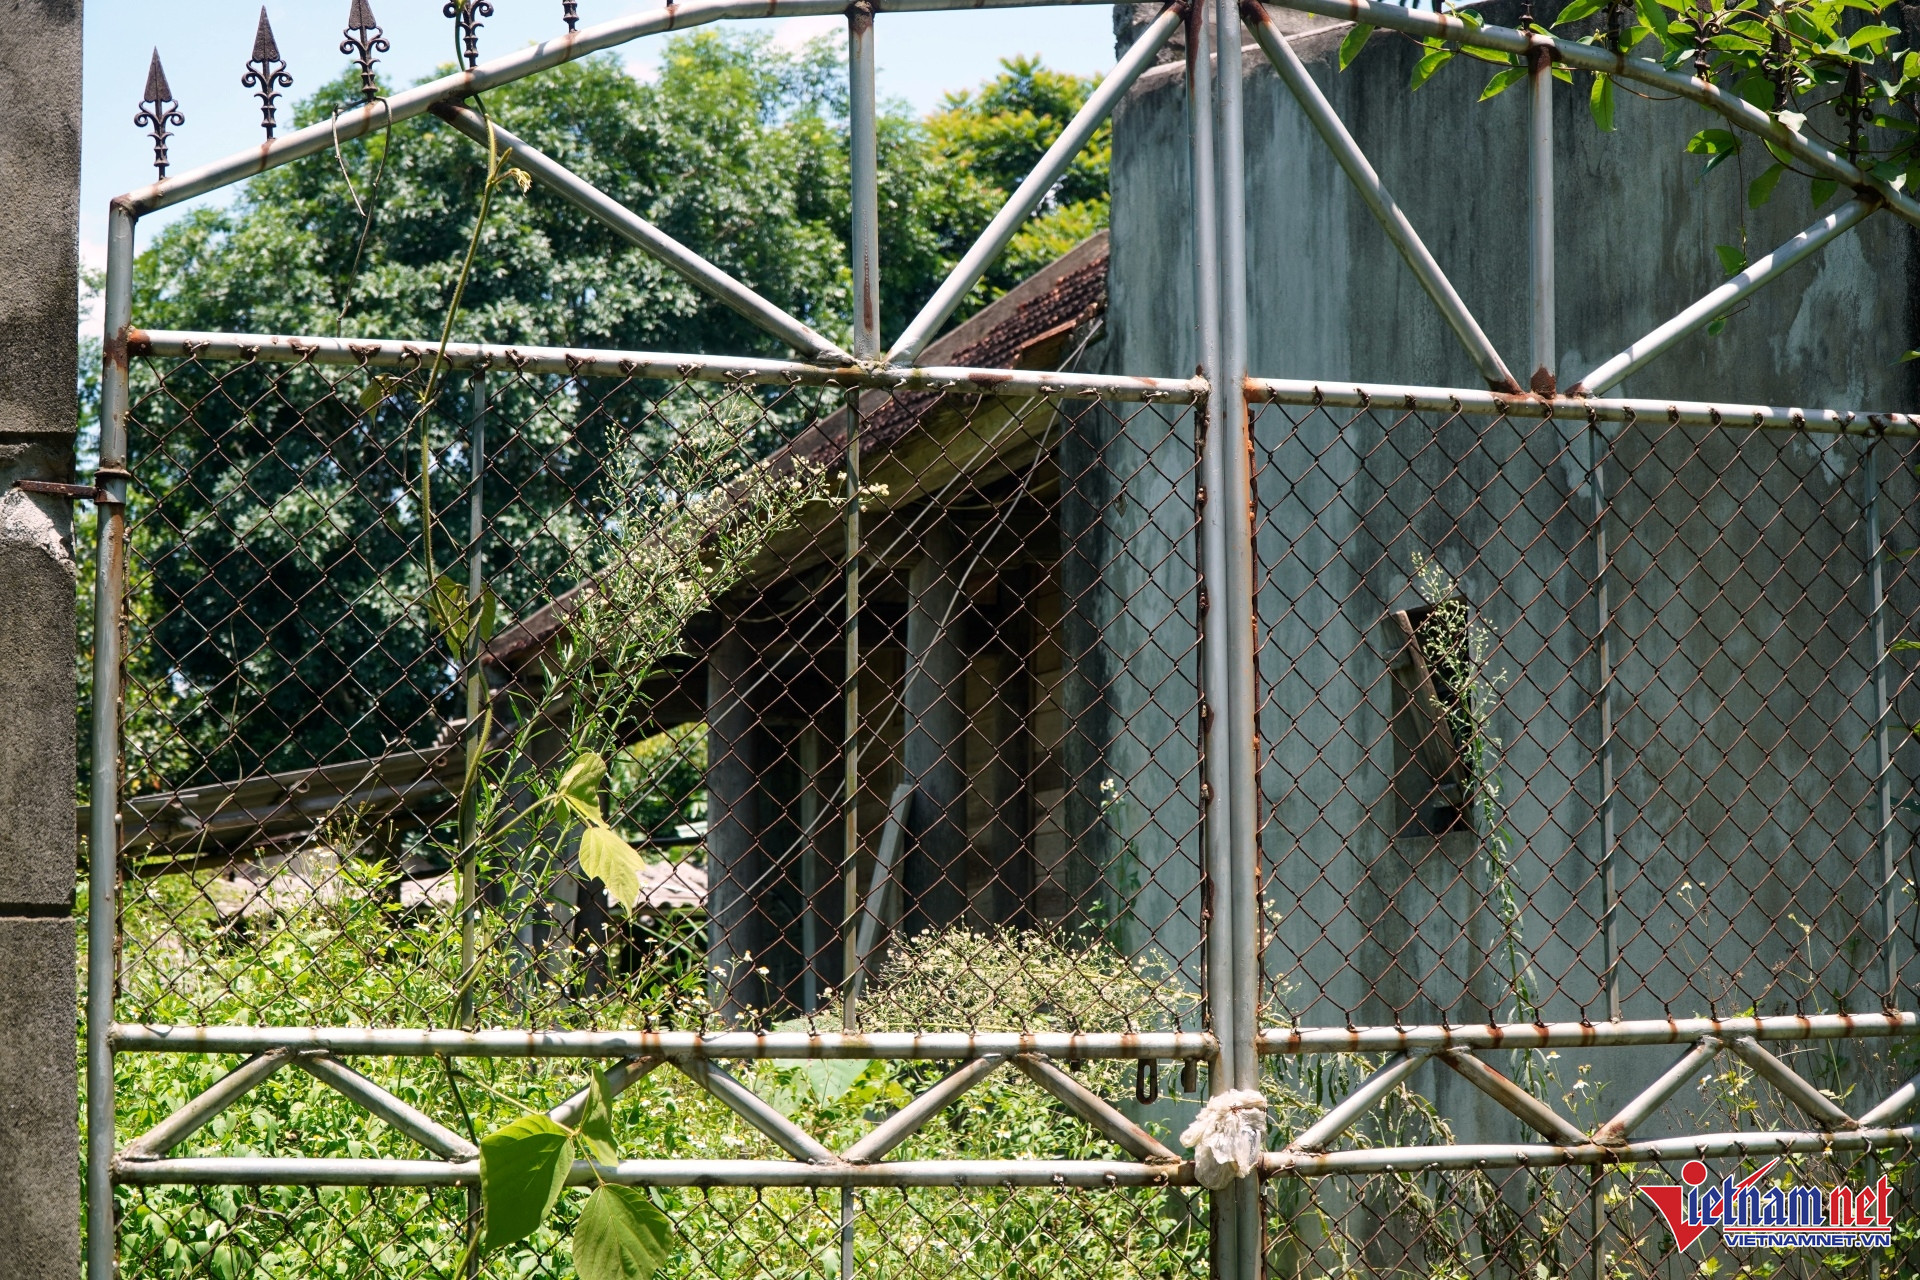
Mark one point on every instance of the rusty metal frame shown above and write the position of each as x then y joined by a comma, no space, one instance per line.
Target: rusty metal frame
1234,1043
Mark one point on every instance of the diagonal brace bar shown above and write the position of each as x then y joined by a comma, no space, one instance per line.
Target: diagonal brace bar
1094,1109
416,1124
1893,1106
1537,1114
1379,201
1341,1115
908,1120
1742,114
1716,301
224,1092
1614,1132
620,1077
794,1140
1819,1108
1027,197
883,897
635,229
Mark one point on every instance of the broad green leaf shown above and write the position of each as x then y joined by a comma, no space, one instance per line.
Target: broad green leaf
830,1078
1760,190
1715,144
1796,121
1717,326
621,1236
1600,103
1733,259
596,1122
454,614
1653,15
1487,55
607,858
447,606
477,752
489,613
1432,61
1756,90
1823,189
1356,41
379,389
579,787
1710,142
523,1170
1875,34
1502,82
1576,10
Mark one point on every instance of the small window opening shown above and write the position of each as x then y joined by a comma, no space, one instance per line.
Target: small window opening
1432,671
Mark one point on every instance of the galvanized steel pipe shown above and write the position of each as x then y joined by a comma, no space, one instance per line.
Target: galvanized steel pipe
1380,202
1095,1175
863,129
1395,399
1577,1035
103,837
1034,188
636,230
1587,57
387,353
672,1045
1542,239
405,105
1708,1146
1716,301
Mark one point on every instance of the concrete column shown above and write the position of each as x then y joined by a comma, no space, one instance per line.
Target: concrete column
734,856
39,285
1005,843
816,847
935,746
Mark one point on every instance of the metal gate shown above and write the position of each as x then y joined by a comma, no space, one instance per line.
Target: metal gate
919,776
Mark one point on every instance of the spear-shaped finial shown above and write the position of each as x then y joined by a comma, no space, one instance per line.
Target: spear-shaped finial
266,73
364,38
570,10
466,15
158,112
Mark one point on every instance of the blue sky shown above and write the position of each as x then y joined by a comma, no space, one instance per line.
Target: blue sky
204,45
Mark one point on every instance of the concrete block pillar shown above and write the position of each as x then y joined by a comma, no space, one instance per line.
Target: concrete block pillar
39,286
1004,844
935,744
734,856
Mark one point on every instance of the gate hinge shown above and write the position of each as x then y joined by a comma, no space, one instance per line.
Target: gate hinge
75,492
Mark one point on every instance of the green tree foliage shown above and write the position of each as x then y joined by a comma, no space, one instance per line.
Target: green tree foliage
279,564
991,138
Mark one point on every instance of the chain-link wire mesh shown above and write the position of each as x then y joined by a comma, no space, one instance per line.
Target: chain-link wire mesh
658,584
366,771
337,730
1437,772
